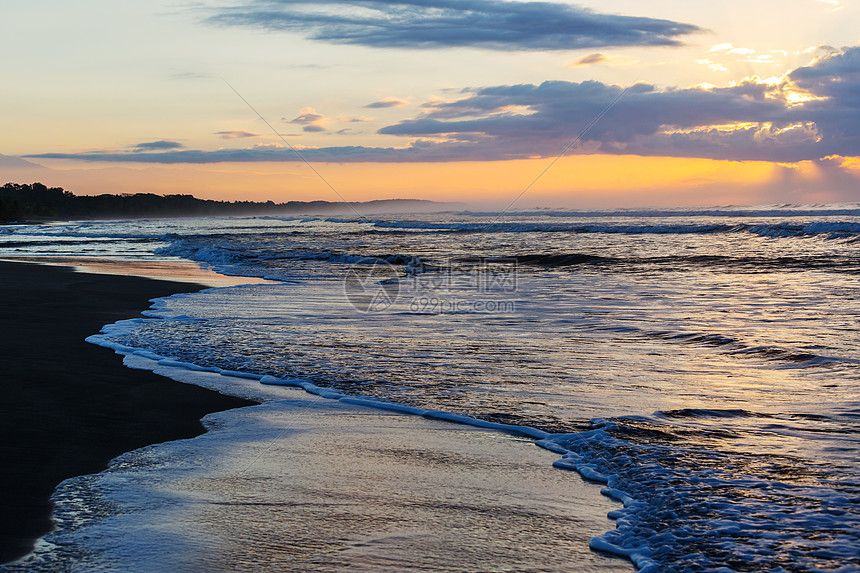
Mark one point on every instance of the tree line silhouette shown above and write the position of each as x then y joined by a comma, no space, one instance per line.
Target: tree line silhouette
34,202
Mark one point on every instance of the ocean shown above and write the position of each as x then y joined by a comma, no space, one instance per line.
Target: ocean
702,365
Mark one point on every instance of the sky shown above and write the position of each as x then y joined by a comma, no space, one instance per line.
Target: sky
608,104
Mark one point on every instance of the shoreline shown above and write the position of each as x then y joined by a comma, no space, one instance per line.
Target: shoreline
309,484
402,492
68,406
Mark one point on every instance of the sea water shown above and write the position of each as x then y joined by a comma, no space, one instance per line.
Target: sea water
702,365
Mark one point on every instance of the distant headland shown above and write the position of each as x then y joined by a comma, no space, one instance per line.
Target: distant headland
37,202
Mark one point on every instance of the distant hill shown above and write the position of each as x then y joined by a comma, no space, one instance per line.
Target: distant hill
9,162
37,202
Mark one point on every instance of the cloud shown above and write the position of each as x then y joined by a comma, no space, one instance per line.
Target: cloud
760,59
589,60
415,151
835,74
422,24
160,145
712,65
311,121
721,47
728,54
646,121
601,59
354,118
809,114
236,134
387,102
10,162
191,76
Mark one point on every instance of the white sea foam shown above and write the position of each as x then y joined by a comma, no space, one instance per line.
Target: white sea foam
636,476
301,483
846,210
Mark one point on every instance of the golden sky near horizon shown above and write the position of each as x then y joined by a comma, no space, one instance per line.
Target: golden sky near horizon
735,102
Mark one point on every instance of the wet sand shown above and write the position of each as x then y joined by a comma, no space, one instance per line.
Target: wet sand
68,407
302,483
297,483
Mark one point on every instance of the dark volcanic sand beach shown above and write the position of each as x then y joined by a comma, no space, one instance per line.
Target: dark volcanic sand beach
67,406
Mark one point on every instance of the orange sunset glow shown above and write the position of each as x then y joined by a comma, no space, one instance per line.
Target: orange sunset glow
700,108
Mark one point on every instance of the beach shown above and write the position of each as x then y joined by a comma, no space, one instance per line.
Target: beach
301,483
69,407
677,359
297,482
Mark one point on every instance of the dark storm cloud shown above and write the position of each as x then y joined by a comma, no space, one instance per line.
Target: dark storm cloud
453,23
